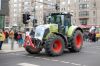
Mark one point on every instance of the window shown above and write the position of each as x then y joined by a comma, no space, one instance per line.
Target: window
83,6
94,5
41,0
83,0
84,13
7,24
94,13
15,5
15,1
83,21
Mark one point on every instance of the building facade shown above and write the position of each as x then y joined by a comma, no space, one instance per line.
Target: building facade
85,12
98,11
15,13
42,9
4,13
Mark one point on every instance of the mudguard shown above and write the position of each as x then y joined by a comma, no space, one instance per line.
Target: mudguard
72,29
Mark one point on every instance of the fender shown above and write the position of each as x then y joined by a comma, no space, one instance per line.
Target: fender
72,29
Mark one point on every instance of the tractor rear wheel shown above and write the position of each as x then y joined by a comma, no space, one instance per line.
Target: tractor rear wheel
54,45
77,41
33,50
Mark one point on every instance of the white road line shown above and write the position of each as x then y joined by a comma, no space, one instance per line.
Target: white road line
27,64
76,64
64,62
45,58
91,52
37,57
30,56
55,60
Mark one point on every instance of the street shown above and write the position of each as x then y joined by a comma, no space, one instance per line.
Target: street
89,56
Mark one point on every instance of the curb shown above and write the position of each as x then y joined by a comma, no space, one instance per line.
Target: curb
11,51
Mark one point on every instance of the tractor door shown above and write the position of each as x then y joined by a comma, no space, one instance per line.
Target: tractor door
67,21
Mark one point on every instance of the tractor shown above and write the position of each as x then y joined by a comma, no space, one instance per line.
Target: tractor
55,36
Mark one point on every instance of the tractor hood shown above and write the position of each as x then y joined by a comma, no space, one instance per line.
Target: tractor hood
43,30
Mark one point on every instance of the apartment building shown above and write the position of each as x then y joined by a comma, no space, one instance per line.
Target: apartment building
16,10
97,4
43,8
85,12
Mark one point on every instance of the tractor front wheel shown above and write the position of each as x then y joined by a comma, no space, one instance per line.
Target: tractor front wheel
54,45
77,41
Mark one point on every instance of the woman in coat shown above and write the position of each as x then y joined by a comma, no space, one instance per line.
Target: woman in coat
2,38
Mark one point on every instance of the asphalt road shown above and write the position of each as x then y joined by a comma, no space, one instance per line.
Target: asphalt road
89,56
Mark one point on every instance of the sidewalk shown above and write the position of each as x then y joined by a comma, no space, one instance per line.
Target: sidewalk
6,48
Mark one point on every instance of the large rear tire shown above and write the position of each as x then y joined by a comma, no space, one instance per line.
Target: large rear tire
77,41
31,50
54,45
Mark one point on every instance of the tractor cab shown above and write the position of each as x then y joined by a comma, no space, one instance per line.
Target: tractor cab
60,19
63,20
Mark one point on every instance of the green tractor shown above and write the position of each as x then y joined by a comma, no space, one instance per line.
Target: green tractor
56,36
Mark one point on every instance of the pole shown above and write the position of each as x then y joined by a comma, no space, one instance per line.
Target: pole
12,39
12,43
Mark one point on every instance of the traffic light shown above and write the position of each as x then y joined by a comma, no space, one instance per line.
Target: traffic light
25,18
57,7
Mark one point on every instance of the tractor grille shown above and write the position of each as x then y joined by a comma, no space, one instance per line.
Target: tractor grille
36,42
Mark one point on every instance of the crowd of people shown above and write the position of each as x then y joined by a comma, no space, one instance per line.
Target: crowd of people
9,36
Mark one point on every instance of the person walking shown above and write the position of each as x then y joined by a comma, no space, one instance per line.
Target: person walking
6,35
2,38
11,37
20,39
15,35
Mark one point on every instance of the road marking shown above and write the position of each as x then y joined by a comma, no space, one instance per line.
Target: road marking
91,52
64,62
27,64
37,57
76,64
30,56
45,58
54,60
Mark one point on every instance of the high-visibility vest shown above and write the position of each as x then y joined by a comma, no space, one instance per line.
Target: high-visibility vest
2,37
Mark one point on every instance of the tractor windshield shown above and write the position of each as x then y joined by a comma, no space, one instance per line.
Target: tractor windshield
56,19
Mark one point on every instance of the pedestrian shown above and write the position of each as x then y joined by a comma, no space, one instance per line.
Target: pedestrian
86,35
20,39
15,35
27,32
2,38
92,34
32,33
11,38
6,32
